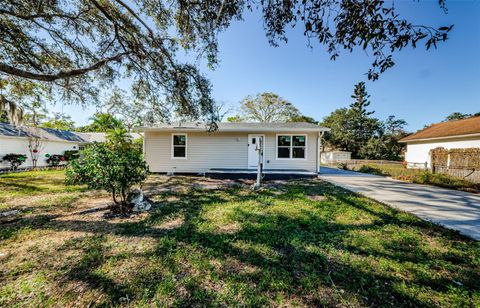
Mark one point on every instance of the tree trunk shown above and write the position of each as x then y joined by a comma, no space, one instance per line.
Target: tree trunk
114,197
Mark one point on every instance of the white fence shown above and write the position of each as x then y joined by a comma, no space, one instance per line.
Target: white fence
364,162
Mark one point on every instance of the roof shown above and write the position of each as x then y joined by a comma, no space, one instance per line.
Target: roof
93,137
101,137
9,130
237,127
450,129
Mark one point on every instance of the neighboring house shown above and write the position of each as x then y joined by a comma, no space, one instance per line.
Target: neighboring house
334,156
14,139
290,148
449,135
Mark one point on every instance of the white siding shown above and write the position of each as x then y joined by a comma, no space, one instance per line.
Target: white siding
418,151
219,150
17,145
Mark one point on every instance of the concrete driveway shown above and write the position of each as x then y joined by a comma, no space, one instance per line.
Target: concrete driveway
453,209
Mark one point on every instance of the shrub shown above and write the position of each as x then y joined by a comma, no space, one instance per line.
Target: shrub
444,180
342,166
115,166
55,159
371,170
71,155
15,160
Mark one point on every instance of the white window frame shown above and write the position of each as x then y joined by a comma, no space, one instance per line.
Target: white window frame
173,146
291,147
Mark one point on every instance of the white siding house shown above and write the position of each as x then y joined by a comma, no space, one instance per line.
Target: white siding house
449,135
14,140
190,148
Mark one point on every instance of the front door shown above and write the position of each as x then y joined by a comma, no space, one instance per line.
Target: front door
253,143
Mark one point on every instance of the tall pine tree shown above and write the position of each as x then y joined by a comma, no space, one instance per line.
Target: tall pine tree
352,128
363,126
361,102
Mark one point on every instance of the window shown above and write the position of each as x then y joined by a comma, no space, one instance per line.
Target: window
179,146
291,146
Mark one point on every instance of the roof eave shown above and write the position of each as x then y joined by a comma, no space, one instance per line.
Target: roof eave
438,138
247,130
46,139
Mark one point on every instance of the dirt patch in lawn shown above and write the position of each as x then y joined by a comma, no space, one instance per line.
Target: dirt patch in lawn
316,197
157,184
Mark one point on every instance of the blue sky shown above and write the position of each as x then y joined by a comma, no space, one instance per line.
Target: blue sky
423,87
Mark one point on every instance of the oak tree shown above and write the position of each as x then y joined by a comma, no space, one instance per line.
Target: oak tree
267,107
76,48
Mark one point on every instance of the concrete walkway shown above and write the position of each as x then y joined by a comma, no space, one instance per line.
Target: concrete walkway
453,209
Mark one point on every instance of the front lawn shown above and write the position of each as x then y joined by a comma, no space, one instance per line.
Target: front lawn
217,243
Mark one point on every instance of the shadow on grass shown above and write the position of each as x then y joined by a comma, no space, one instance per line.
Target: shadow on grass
307,257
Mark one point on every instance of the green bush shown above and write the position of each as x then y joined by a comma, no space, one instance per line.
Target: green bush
444,180
71,155
371,170
55,159
15,160
114,166
342,166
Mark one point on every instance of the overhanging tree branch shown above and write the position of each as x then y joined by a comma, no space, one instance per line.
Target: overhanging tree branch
60,75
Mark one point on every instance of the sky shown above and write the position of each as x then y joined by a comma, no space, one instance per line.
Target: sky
423,87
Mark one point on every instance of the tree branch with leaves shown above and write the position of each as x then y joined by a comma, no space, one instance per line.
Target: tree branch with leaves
76,48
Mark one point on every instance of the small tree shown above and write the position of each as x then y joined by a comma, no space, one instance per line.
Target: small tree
115,166
15,160
35,144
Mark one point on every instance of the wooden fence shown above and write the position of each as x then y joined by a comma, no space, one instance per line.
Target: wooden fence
462,163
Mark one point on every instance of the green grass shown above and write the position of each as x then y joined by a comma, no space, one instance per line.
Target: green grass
303,243
418,176
33,183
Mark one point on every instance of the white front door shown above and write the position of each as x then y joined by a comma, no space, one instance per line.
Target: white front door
253,143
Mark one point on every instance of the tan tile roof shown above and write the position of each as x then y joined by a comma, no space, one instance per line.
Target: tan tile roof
447,129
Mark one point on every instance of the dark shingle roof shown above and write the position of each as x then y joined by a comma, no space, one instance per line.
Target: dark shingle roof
447,129
43,133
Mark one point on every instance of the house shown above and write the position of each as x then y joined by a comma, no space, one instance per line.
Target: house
15,140
334,156
449,135
288,148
